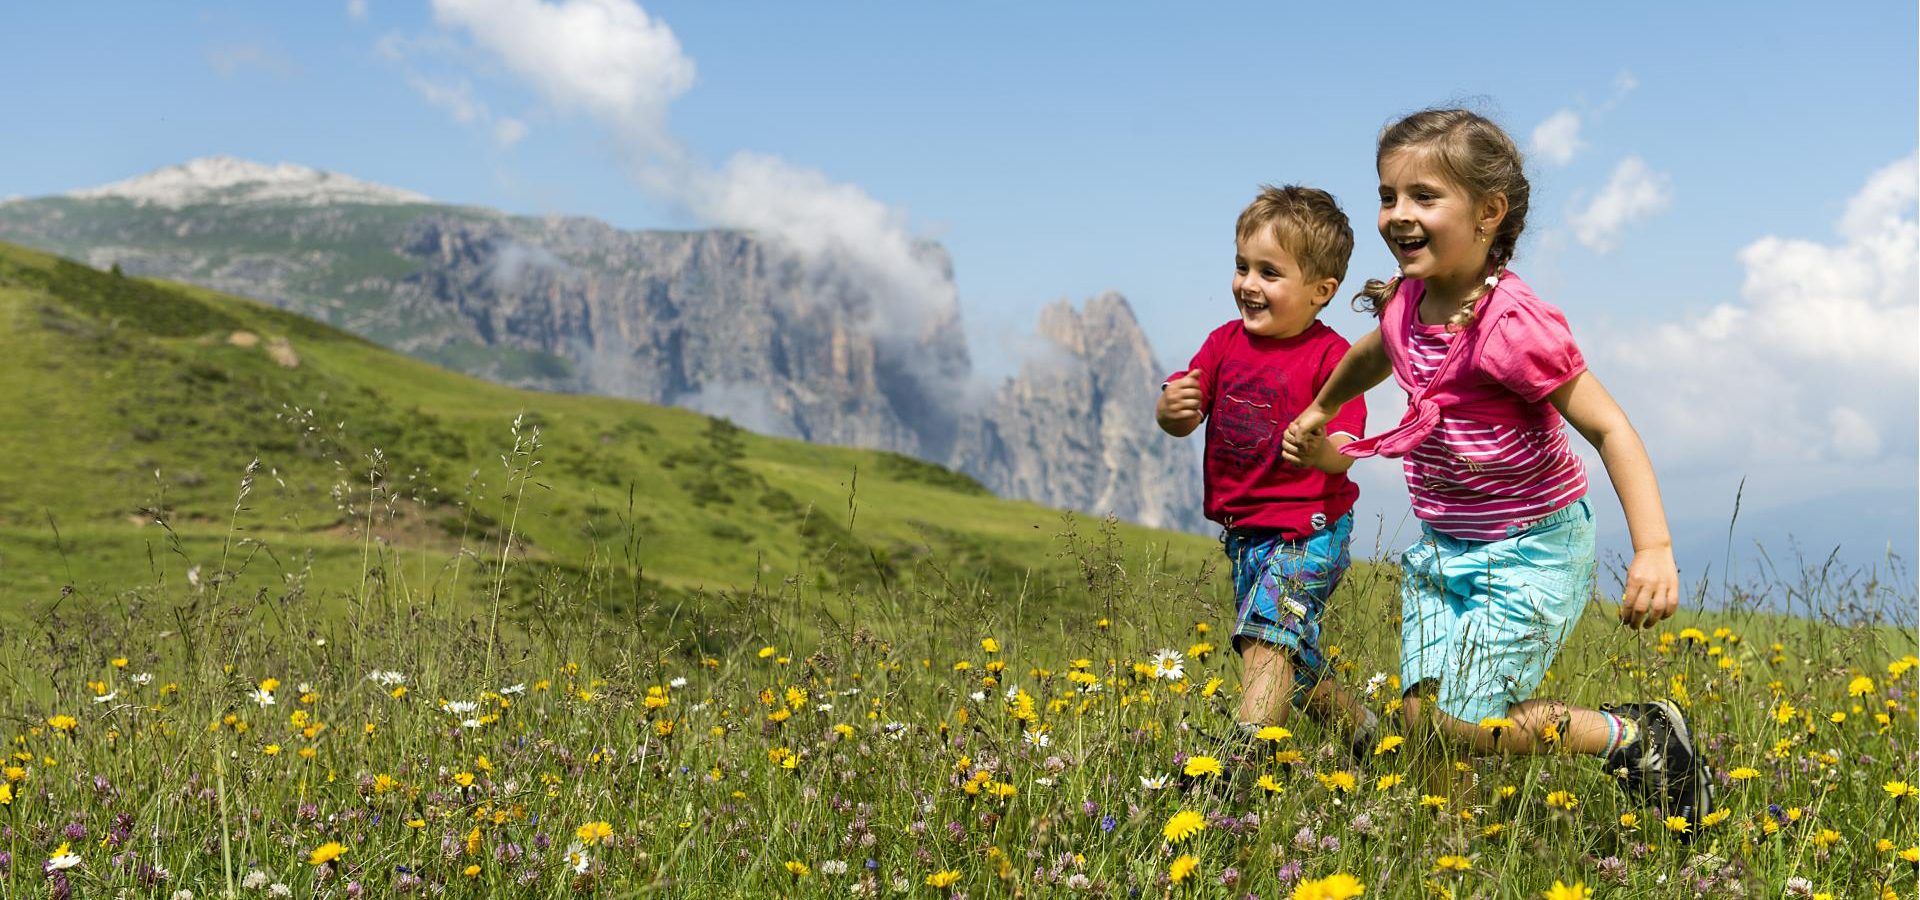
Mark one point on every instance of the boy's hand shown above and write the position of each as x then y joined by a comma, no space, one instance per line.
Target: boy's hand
1301,445
1182,404
1653,588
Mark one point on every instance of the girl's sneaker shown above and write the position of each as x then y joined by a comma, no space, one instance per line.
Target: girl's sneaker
1664,762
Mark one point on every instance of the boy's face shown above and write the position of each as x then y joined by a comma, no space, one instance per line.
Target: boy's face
1276,298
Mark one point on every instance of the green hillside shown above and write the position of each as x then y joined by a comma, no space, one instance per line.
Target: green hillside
139,405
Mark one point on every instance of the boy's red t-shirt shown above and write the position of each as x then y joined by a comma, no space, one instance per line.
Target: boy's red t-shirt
1254,387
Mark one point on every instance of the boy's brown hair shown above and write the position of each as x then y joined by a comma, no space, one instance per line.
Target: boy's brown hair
1306,223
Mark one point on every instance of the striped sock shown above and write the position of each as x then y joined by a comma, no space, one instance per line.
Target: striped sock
1621,731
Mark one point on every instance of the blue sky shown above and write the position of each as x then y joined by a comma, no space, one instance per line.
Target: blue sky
1062,151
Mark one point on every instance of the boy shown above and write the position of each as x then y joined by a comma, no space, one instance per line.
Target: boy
1287,527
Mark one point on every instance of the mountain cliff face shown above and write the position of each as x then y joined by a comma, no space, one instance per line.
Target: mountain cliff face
1075,427
712,320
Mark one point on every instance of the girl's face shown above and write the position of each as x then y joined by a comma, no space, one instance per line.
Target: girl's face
1436,230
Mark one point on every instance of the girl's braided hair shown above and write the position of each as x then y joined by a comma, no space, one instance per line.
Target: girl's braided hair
1474,153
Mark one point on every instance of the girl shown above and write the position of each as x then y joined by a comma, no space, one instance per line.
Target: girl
1505,562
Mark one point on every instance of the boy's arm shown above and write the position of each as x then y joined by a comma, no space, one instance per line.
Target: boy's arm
1328,457
1653,581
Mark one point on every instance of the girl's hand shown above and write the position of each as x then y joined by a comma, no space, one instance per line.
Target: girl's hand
1653,588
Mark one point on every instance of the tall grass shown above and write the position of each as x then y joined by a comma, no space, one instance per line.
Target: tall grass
926,731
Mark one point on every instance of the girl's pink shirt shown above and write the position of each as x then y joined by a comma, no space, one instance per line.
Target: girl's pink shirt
1498,371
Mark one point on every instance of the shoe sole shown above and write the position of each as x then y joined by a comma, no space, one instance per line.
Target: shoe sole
1703,788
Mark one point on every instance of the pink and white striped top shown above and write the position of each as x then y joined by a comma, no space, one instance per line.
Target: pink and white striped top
1476,481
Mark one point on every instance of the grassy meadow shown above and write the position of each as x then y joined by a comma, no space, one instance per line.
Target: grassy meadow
374,629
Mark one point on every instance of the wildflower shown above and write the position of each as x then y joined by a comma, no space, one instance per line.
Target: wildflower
463,779
1860,686
1155,783
833,867
1574,891
1827,837
1899,790
1678,825
1911,854
1273,733
1452,864
1182,867
1339,886
798,868
1266,783
1184,824
63,722
1338,780
1432,801
1198,766
593,832
326,853
1743,773
1169,665
1387,782
1629,820
944,878
262,696
61,860
577,859
1562,800
1496,724
1036,738
1388,744
990,645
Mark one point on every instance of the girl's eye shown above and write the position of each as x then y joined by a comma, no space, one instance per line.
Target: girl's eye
1386,199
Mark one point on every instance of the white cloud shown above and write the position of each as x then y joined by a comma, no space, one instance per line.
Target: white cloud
1558,138
605,58
456,97
1634,193
508,132
1813,373
357,10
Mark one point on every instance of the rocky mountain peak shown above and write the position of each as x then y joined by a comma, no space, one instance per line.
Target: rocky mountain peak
227,180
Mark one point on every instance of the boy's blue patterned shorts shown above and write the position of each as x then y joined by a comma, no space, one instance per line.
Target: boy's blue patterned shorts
1282,587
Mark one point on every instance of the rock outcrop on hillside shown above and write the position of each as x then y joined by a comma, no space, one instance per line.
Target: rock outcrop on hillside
1075,426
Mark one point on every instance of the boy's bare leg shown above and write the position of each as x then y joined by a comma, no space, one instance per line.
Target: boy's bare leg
1267,673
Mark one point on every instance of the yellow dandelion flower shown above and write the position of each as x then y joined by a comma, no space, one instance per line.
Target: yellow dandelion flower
1432,801
1288,757
1452,864
326,853
1182,867
1183,825
1911,854
1574,891
471,871
1388,744
271,749
990,645
1860,686
463,779
1678,825
1338,780
1826,837
6,794
1387,782
1743,773
62,723
1198,766
1496,723
766,652
1273,733
1266,783
798,868
1716,817
1899,790
1629,820
1494,830
945,878
1562,800
593,832
1340,886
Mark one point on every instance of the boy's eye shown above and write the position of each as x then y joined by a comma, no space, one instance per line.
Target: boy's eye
1270,273
1386,199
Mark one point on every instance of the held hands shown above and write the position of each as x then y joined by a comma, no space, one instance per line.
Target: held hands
1653,588
1306,437
1182,404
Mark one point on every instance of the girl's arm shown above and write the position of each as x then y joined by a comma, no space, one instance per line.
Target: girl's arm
1364,366
1653,582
